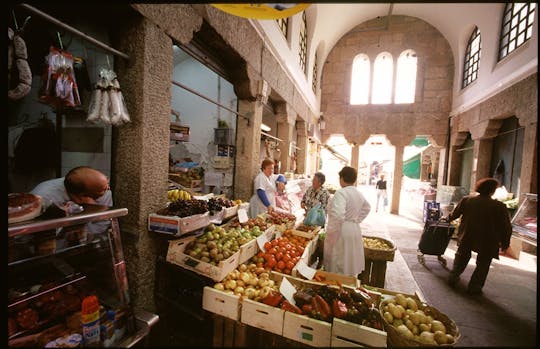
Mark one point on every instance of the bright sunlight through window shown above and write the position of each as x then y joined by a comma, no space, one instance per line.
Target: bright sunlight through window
382,79
360,79
406,77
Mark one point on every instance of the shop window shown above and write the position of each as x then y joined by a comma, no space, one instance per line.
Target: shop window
472,58
517,26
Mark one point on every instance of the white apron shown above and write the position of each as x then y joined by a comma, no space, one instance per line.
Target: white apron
268,184
343,245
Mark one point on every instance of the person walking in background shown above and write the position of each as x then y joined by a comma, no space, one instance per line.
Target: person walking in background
380,186
316,193
344,245
264,190
484,228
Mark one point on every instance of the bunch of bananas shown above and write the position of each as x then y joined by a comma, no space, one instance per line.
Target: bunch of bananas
177,194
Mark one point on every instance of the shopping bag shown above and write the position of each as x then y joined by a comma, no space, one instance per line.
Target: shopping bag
315,216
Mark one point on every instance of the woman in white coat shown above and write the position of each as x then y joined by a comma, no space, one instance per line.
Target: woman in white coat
344,246
264,190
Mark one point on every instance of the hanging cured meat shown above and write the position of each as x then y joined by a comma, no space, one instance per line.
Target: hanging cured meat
107,104
19,73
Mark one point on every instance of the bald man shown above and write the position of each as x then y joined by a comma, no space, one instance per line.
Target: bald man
82,185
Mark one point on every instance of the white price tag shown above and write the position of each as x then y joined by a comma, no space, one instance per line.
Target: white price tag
287,290
305,270
261,240
242,215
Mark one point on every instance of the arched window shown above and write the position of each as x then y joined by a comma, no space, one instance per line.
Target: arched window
360,78
383,70
303,42
472,58
406,77
517,25
283,24
314,77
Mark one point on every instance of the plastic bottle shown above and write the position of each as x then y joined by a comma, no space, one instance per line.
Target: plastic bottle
90,321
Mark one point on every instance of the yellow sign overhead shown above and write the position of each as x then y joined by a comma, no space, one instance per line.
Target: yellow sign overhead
262,11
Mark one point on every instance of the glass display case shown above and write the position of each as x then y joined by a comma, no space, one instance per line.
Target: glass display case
54,264
524,221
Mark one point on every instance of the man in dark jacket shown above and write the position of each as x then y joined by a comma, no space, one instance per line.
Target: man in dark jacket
484,228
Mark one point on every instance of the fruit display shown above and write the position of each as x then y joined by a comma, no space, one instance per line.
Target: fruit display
377,244
376,248
248,281
219,243
306,228
178,194
185,208
281,254
281,218
417,322
258,221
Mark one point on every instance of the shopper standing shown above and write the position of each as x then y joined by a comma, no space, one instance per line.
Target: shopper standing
316,193
380,186
344,245
484,228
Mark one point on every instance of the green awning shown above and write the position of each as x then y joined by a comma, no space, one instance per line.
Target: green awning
411,167
420,142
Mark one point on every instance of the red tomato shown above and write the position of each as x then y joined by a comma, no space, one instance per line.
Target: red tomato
280,264
289,265
271,263
267,245
279,256
274,242
286,257
287,271
273,250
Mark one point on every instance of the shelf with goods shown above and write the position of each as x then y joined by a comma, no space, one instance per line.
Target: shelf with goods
524,221
48,285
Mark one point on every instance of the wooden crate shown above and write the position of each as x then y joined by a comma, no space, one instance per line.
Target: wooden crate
175,225
306,330
262,316
175,254
230,212
228,333
358,335
336,342
221,303
248,250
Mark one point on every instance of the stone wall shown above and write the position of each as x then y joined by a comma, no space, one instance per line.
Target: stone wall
429,113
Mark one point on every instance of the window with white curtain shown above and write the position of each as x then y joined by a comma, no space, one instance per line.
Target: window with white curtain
383,70
406,77
360,79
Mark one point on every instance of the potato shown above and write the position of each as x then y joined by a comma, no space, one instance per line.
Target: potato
440,337
388,317
411,304
427,337
436,325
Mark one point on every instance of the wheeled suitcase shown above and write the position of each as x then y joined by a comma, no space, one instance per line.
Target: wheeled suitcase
434,240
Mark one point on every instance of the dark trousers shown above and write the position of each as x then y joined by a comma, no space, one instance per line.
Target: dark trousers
478,278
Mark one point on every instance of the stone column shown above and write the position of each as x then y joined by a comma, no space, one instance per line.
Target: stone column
396,183
355,152
139,161
286,118
481,160
302,142
248,141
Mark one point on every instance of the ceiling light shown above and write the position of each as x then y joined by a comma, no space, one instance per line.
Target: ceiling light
265,128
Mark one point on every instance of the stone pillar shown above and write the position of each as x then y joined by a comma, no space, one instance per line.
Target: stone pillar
481,160
302,142
528,178
286,118
355,152
139,161
248,141
396,184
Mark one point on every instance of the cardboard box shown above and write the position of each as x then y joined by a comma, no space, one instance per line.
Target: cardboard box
358,335
175,225
221,303
262,316
230,212
304,329
341,343
176,255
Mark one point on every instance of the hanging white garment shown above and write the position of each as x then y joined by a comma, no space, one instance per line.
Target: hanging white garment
268,184
343,245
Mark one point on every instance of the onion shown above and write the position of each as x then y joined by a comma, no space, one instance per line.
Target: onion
219,286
